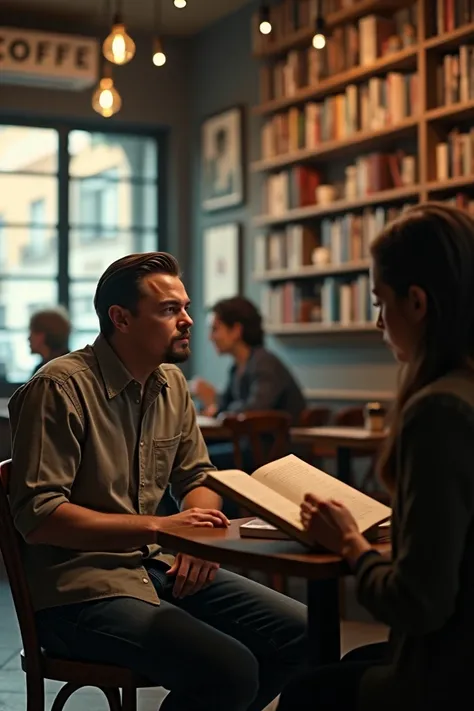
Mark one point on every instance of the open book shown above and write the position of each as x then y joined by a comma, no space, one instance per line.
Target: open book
275,492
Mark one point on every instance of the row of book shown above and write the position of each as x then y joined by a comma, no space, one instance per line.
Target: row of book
348,46
381,102
341,240
333,301
455,157
455,77
447,15
298,186
463,201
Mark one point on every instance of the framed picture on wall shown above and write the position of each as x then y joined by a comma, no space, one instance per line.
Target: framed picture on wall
222,160
222,258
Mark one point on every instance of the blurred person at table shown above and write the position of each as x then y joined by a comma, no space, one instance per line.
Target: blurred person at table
98,436
258,380
49,334
423,284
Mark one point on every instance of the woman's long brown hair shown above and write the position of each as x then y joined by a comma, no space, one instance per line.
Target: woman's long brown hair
430,246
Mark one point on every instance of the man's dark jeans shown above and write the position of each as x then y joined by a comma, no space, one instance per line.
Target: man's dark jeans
230,647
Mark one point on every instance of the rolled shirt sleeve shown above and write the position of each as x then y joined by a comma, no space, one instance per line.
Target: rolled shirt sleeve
46,450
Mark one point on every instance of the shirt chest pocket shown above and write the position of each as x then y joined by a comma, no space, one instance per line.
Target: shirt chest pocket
164,453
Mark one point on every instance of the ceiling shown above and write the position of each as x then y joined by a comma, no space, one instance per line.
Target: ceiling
138,14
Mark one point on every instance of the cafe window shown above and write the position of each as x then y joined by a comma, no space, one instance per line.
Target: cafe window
71,202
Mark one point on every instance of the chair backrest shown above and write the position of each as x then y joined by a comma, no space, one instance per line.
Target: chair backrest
315,417
350,417
266,431
11,551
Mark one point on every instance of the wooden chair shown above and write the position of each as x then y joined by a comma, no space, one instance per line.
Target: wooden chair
37,664
268,435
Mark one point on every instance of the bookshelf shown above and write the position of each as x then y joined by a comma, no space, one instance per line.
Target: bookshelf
351,135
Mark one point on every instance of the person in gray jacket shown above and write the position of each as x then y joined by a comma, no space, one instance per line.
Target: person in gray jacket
258,380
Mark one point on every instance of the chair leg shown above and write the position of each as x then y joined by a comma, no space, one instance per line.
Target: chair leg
113,698
64,693
34,693
129,698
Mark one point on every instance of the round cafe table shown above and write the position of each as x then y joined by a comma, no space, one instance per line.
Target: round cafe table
287,558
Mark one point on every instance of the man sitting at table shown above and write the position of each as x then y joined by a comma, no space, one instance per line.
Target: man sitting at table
258,380
97,437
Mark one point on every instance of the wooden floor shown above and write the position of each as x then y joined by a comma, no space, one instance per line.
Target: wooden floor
359,630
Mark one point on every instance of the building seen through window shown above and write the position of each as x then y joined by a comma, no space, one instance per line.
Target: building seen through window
111,209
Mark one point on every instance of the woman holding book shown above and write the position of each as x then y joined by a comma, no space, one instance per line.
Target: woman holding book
423,283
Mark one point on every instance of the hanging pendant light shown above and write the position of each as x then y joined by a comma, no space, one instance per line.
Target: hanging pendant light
180,4
264,21
106,100
158,56
118,47
319,38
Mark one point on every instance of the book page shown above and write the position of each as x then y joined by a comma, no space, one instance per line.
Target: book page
292,478
257,497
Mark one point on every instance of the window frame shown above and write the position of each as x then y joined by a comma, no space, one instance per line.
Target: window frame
63,127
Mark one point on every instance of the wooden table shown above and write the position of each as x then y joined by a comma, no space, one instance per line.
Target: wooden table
212,428
286,558
343,439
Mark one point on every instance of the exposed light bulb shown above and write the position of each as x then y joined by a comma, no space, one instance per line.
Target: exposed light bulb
106,100
118,47
265,25
319,39
180,3
159,56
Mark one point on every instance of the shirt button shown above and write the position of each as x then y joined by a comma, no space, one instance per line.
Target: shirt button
142,443
145,580
137,401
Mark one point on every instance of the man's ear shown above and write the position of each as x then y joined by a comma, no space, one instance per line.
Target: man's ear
417,304
120,317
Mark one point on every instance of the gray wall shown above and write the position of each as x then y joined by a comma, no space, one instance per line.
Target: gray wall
224,74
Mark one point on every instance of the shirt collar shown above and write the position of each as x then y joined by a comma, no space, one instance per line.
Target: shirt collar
114,373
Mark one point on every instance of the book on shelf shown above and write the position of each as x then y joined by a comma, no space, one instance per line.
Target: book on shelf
258,528
338,241
455,156
448,15
275,492
463,201
295,187
332,301
379,103
455,77
350,45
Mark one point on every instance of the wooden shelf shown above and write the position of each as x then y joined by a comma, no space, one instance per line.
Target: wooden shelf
300,329
359,140
404,59
312,270
338,206
305,34
450,40
452,184
451,112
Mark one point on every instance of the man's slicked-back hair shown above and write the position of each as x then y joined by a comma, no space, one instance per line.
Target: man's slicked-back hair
120,284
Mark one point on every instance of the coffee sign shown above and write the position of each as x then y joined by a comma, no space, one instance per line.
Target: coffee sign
45,59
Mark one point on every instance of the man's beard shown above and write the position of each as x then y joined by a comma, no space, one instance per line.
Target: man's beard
174,356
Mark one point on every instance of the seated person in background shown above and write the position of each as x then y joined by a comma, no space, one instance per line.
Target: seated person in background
258,380
49,334
423,274
97,437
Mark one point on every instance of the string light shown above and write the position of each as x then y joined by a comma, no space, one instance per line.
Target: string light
265,25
